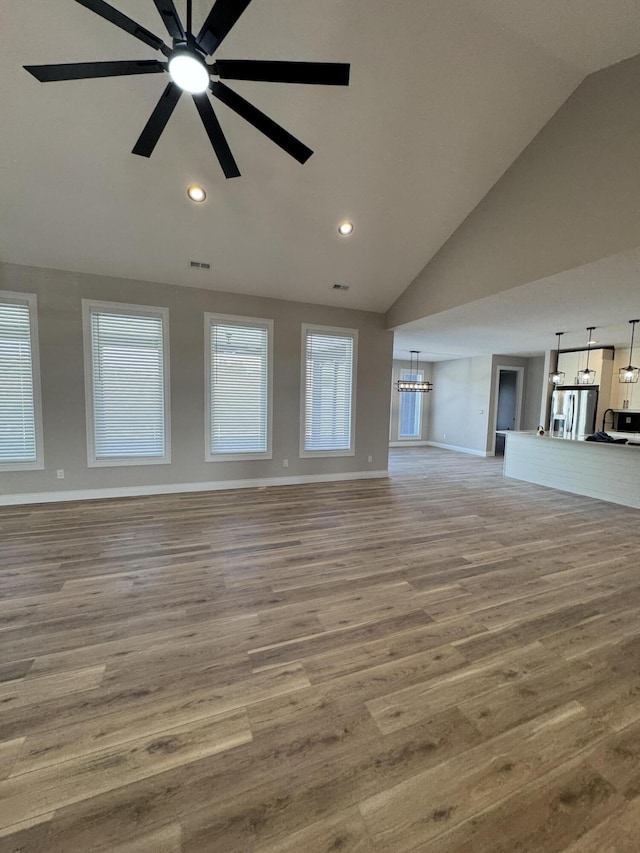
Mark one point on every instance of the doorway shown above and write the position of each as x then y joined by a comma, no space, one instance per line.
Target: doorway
508,404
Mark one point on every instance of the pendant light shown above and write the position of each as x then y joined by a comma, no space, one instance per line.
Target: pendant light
630,374
556,377
414,384
586,376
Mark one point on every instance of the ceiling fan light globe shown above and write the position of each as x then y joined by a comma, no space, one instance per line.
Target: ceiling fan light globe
189,72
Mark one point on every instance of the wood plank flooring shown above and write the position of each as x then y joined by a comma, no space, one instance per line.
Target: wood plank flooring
446,661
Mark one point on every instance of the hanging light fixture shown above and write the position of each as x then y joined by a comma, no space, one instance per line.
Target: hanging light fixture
414,384
586,376
556,377
630,374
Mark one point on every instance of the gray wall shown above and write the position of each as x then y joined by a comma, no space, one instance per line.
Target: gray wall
398,367
464,397
534,393
60,326
460,402
569,199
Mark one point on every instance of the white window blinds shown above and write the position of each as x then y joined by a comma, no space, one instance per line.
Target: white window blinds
128,383
18,417
328,385
238,387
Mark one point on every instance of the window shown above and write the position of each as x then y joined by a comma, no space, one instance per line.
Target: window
410,408
20,409
328,391
238,387
127,384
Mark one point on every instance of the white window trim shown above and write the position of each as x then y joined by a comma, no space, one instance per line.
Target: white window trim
236,320
335,330
418,437
31,300
88,305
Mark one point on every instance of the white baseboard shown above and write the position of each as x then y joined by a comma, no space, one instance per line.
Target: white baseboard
408,443
180,488
459,449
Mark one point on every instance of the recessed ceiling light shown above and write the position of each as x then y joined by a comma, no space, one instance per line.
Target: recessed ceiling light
196,193
345,228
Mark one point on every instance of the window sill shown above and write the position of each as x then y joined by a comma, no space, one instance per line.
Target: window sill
237,457
317,454
128,462
22,466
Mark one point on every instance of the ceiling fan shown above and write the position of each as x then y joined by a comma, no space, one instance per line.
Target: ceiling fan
190,72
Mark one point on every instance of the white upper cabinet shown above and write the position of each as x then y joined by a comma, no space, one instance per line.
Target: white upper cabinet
572,362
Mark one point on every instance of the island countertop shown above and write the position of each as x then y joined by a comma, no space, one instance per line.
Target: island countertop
603,470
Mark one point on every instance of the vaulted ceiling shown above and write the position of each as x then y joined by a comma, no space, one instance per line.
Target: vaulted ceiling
524,320
444,95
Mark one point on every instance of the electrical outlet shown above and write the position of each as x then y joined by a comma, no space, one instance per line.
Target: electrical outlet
369,458
285,463
60,473
444,435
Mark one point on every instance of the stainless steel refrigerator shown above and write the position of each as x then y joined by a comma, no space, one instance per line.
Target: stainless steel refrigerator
573,411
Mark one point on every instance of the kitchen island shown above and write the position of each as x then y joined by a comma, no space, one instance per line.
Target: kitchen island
609,472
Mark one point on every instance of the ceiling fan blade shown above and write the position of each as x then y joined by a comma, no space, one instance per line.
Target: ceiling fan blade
171,18
115,17
216,136
219,21
261,122
158,121
323,73
85,70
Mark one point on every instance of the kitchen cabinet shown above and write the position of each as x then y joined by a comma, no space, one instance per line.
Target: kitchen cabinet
608,472
569,364
572,362
621,393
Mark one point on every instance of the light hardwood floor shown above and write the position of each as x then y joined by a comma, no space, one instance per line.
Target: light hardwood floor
444,661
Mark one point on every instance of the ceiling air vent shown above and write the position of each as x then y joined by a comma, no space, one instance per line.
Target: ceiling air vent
338,286
199,265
